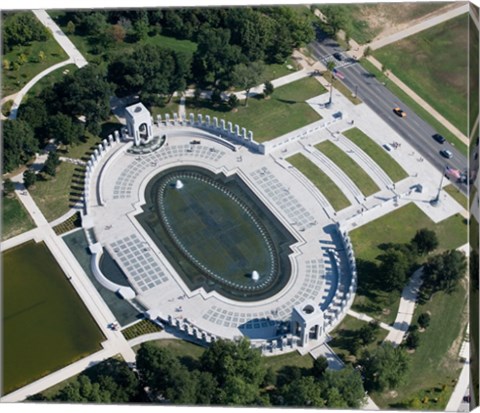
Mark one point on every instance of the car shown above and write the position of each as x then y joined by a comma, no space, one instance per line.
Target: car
387,147
439,138
338,56
399,112
446,153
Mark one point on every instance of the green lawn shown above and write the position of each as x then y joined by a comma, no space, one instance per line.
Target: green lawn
169,108
14,80
57,195
434,64
46,325
398,226
456,194
353,170
185,46
418,109
51,79
15,218
377,153
284,112
179,348
325,185
276,70
343,337
293,359
435,363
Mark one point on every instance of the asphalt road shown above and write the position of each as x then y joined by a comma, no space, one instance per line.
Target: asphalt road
415,130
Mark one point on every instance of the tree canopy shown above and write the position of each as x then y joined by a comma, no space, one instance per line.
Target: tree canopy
385,367
19,143
443,271
425,240
22,28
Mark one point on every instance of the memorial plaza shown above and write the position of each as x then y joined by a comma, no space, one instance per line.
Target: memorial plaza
319,276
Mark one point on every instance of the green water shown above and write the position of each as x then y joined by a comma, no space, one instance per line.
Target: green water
215,232
45,324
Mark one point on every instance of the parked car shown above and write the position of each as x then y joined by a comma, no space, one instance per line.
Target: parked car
387,147
399,112
439,138
446,153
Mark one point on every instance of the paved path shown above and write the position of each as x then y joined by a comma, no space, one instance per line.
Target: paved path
405,309
462,385
19,95
74,57
369,319
61,38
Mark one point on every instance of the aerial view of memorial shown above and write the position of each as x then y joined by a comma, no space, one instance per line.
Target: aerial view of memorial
271,206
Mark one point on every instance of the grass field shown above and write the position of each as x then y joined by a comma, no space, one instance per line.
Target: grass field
434,365
179,348
45,324
353,170
455,193
324,184
15,218
378,154
398,226
418,109
293,359
56,196
284,112
344,335
50,79
14,80
434,63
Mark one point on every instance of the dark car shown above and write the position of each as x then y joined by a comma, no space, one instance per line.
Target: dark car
439,138
446,153
338,56
399,112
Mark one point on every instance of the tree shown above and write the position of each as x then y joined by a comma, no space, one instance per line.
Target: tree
215,57
140,28
83,390
8,187
19,143
367,333
41,55
85,93
29,178
385,367
70,29
216,97
51,164
22,28
320,365
302,392
424,320
442,272
393,268
247,76
367,51
64,129
343,388
425,241
6,64
268,88
238,369
233,101
413,339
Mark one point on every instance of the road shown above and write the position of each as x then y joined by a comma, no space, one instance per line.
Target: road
382,101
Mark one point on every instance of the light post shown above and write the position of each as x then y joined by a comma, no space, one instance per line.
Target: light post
436,201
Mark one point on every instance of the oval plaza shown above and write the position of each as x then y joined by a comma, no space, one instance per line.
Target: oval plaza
215,234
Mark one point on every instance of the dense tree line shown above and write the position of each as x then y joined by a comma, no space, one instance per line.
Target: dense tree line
20,29
228,373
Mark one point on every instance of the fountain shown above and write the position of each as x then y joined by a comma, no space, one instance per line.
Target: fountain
178,184
255,275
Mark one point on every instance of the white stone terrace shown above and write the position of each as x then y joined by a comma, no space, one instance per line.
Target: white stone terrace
117,185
